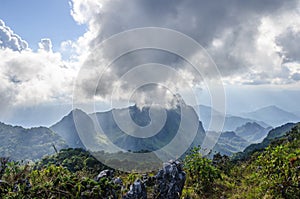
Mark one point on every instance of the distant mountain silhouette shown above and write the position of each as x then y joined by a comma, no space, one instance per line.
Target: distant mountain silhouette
252,132
231,122
229,143
272,115
272,135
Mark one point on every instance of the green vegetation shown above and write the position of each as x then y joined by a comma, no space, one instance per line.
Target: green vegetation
74,160
201,174
127,161
270,173
28,144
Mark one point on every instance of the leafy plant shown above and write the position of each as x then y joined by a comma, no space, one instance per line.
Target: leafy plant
201,174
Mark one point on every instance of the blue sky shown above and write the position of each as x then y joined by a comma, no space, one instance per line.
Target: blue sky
37,19
254,44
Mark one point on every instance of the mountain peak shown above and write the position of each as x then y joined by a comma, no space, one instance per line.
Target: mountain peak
271,107
272,115
77,111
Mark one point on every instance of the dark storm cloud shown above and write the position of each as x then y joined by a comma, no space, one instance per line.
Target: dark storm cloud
229,30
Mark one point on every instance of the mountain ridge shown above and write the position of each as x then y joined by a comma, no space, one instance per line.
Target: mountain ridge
20,143
231,121
272,115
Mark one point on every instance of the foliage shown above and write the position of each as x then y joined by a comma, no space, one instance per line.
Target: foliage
271,173
201,173
279,169
53,182
222,162
74,160
19,143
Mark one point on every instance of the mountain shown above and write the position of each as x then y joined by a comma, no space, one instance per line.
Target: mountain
66,128
102,131
252,132
143,125
272,115
19,143
229,143
231,122
272,135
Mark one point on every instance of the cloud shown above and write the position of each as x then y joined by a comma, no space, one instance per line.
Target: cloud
289,41
8,39
241,37
251,42
46,45
31,78
296,76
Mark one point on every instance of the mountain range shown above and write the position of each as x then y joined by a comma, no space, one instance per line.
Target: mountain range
229,142
272,135
272,115
103,128
231,122
110,132
252,132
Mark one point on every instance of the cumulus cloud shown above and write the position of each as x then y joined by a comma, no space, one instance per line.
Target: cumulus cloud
8,39
289,41
46,45
252,42
244,38
29,78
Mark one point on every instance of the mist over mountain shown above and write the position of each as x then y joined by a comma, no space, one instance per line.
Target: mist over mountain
272,115
129,129
19,143
297,113
103,128
272,135
66,128
229,143
232,122
252,132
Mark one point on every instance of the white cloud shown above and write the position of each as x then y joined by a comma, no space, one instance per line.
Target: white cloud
252,42
29,78
8,39
46,45
242,37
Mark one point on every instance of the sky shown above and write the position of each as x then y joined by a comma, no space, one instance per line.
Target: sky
51,54
34,20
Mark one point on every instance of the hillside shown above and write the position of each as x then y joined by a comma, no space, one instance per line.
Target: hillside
73,173
230,143
66,128
252,132
19,143
272,135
